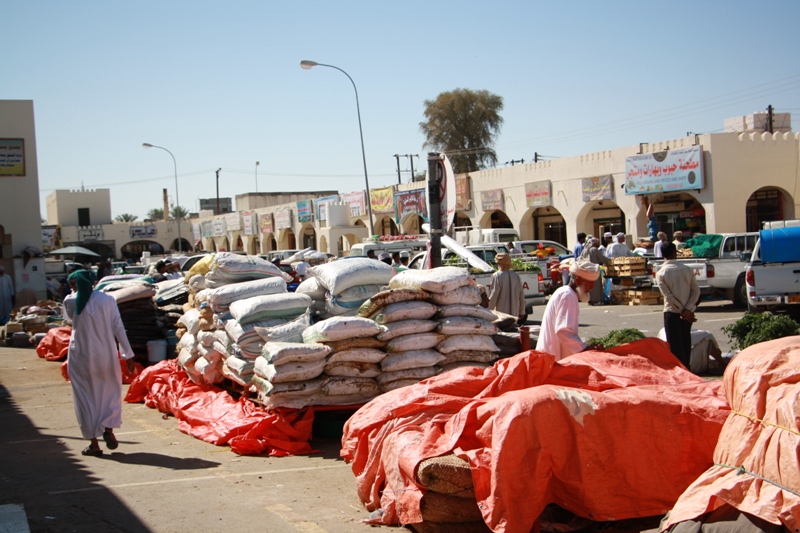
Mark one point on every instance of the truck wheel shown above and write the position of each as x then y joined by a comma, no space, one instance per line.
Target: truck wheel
740,293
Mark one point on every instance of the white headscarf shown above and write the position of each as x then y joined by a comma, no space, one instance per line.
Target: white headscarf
586,270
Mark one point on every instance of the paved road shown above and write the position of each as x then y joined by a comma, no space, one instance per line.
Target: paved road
163,480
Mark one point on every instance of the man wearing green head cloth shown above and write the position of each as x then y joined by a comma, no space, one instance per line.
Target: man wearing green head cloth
94,369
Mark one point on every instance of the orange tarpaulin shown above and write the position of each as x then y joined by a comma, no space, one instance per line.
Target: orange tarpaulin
607,435
210,414
757,459
55,345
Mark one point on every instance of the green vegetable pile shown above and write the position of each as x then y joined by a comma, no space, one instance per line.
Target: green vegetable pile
617,337
523,265
753,328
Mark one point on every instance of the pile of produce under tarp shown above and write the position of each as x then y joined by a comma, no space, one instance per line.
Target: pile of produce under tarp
616,338
608,435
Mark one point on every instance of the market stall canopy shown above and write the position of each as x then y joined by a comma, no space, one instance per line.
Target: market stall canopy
74,250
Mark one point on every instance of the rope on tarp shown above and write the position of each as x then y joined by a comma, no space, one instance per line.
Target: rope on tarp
742,470
765,423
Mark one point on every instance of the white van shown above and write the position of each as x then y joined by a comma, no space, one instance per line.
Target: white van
411,244
471,235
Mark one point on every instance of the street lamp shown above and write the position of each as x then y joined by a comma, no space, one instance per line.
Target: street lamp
177,201
257,163
308,65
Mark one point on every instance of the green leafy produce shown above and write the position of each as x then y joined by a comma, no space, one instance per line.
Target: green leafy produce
753,328
617,337
523,265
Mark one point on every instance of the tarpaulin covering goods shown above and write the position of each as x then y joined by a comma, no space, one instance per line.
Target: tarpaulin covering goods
607,435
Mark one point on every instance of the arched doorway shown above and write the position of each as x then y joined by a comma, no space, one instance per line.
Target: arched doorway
496,219
268,243
680,211
184,245
386,226
239,244
346,242
222,245
287,240
323,244
461,220
412,224
133,250
309,237
768,204
547,223
252,245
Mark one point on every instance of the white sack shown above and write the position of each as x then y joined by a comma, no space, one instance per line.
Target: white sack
289,371
339,276
354,370
417,374
473,311
312,287
244,334
411,359
228,268
221,298
464,325
190,320
279,353
466,295
288,305
413,310
341,386
441,279
340,328
481,343
358,355
390,296
417,341
291,331
406,327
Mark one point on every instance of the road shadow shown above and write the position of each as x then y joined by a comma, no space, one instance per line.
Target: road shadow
159,460
38,471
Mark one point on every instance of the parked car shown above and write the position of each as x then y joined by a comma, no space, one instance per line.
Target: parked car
773,271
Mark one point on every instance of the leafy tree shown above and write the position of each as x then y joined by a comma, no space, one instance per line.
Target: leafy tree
179,212
464,124
156,214
125,217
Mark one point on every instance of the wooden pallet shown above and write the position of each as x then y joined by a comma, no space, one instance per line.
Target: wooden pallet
628,261
624,270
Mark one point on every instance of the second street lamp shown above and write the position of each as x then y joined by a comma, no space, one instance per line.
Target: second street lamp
310,64
178,212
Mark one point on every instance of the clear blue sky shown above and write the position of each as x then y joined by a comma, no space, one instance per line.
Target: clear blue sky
219,83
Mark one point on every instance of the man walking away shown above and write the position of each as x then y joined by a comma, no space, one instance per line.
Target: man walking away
662,239
506,294
681,293
559,330
7,297
579,247
592,253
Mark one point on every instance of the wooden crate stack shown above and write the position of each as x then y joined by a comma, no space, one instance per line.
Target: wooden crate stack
637,297
626,266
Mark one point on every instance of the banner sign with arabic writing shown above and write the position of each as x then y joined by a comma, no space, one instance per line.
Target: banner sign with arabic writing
304,211
356,201
672,170
462,194
267,226
197,232
537,194
322,206
283,218
249,222
382,200
207,228
492,200
233,222
408,202
598,188
12,157
143,232
218,227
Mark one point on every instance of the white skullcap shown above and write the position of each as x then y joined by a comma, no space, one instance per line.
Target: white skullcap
607,235
620,235
586,270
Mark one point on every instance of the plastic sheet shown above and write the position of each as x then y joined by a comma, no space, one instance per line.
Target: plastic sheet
607,435
55,344
757,459
210,414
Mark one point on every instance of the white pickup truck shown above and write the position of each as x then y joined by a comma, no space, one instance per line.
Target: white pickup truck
533,282
773,274
722,275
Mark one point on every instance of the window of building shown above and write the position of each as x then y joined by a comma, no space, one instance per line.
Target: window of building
83,217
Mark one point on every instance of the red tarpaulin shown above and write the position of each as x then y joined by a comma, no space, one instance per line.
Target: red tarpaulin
607,435
210,414
55,345
757,459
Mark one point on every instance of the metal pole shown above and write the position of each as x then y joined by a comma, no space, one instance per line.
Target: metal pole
177,199
435,176
411,157
309,64
257,176
218,211
397,156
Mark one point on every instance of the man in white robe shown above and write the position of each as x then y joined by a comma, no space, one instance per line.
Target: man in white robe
506,293
559,331
94,368
6,296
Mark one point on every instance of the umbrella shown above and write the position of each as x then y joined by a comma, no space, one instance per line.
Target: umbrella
74,250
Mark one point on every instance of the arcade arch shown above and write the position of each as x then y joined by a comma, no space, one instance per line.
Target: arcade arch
287,240
545,223
386,226
496,219
133,249
308,237
412,224
768,204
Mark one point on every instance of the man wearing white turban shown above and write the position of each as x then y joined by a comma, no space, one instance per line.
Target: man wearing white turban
559,330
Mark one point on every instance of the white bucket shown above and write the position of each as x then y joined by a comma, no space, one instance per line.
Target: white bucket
156,350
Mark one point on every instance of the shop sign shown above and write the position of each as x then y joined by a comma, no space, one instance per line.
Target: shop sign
668,171
12,157
249,222
207,228
492,200
233,222
462,194
408,202
143,232
51,238
382,200
267,226
304,211
197,232
356,201
321,205
218,227
537,194
598,188
283,218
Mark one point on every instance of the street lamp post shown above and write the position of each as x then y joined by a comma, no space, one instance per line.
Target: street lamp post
177,201
308,65
257,163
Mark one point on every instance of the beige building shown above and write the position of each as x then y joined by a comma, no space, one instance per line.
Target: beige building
20,222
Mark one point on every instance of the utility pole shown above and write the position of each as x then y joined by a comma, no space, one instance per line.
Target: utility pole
397,156
411,157
770,118
535,157
218,190
435,177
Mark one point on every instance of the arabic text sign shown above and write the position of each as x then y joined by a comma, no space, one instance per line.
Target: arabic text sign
408,202
207,228
197,232
267,225
12,157
598,188
283,218
143,232
249,222
537,194
673,170
462,193
232,221
218,227
356,201
492,200
382,200
304,211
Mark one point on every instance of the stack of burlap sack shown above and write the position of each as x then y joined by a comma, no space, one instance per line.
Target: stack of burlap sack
231,296
340,287
139,313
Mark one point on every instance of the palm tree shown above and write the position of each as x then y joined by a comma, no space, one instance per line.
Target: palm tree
179,212
156,214
464,124
125,217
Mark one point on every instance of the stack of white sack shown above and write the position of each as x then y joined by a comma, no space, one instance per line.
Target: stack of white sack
349,283
227,268
466,325
201,363
316,292
335,365
222,297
